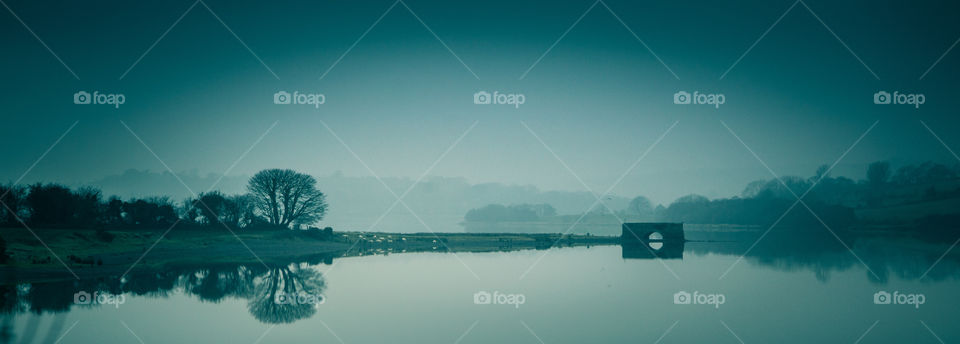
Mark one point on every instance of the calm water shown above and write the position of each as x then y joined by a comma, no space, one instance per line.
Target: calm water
789,289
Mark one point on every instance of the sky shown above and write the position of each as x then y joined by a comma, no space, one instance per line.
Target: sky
598,79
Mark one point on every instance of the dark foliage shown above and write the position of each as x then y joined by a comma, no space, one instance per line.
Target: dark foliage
762,211
149,212
51,204
104,236
12,198
3,251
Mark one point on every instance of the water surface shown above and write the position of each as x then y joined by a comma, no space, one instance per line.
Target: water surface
787,289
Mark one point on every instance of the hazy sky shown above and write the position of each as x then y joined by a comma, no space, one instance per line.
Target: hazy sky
399,98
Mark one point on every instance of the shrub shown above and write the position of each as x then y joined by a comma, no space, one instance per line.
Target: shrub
104,236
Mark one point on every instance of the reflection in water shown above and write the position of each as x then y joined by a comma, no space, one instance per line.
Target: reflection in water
275,296
672,249
263,287
215,284
818,251
823,252
257,284
652,240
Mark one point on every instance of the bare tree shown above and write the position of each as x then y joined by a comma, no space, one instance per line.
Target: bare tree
286,197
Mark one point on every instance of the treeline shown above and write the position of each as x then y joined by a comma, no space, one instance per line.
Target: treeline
275,198
833,200
511,213
763,210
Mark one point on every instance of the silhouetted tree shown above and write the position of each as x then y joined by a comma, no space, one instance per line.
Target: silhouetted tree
240,211
753,189
686,206
188,212
878,173
155,211
50,204
12,196
640,207
211,206
822,173
113,211
87,207
286,197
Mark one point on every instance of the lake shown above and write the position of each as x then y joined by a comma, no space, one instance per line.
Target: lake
790,288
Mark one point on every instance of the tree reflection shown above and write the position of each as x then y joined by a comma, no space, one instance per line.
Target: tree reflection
286,292
822,253
6,328
257,284
215,284
279,294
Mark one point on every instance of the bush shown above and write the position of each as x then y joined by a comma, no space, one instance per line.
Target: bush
50,204
319,234
104,236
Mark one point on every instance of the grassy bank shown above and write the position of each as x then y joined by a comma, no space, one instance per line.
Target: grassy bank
92,253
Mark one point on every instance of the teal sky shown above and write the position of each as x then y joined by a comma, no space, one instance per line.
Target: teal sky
399,98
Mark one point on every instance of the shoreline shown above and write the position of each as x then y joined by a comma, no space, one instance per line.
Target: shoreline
137,251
